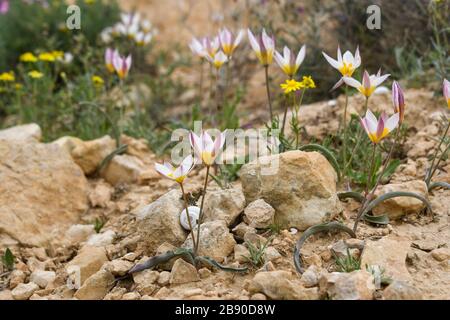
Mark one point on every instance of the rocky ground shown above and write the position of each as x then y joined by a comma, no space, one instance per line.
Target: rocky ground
51,195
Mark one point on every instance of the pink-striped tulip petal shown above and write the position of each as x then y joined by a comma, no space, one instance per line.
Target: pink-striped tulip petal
369,83
218,59
228,41
288,62
205,148
122,65
446,90
347,63
398,100
264,47
379,129
4,6
197,48
109,60
178,174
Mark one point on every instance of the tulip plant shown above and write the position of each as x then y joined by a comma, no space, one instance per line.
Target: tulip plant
205,150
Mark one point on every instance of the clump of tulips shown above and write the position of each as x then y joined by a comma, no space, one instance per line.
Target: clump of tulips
205,151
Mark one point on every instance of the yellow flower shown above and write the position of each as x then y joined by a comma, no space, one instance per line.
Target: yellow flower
57,54
308,82
7,76
28,57
291,86
35,74
89,1
47,56
18,86
98,81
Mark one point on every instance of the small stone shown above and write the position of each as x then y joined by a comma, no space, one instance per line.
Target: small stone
145,276
89,154
43,278
118,267
271,254
163,248
356,285
401,290
241,253
241,229
259,214
101,239
115,294
340,249
6,295
131,296
310,278
162,293
183,272
441,254
101,195
164,278
204,273
96,286
23,291
124,168
26,132
131,256
87,262
258,296
223,205
80,232
255,239
191,292
16,277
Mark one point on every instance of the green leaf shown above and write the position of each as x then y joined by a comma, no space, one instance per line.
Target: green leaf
325,227
326,152
390,169
383,219
438,184
351,194
8,259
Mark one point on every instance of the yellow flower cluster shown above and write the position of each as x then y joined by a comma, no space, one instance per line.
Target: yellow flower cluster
50,56
28,57
35,74
97,81
7,76
291,85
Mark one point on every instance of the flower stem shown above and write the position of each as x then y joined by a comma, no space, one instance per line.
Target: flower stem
344,122
200,216
186,205
370,172
266,69
286,107
432,170
200,84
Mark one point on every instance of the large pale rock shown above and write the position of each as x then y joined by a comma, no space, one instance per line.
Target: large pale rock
89,154
96,286
395,208
101,239
26,132
101,195
224,205
389,253
278,285
87,262
80,232
24,291
159,222
43,278
42,191
216,241
125,169
400,290
183,272
259,214
356,285
300,186
68,143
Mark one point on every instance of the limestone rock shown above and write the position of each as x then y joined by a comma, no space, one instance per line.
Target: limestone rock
356,285
159,222
278,286
441,254
118,267
145,277
78,233
25,133
259,214
17,277
90,154
124,169
96,286
24,291
164,278
395,208
68,143
216,241
42,191
163,248
241,253
101,239
389,253
87,262
401,290
223,205
43,278
131,296
183,272
300,186
310,278
271,254
101,195
241,229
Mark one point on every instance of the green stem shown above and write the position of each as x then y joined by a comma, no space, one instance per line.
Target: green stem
286,107
344,121
370,172
186,205
200,216
266,69
432,170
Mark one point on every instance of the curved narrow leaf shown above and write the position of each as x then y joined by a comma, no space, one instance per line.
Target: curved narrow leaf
153,262
438,184
351,194
120,150
327,153
217,265
325,227
383,219
390,195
